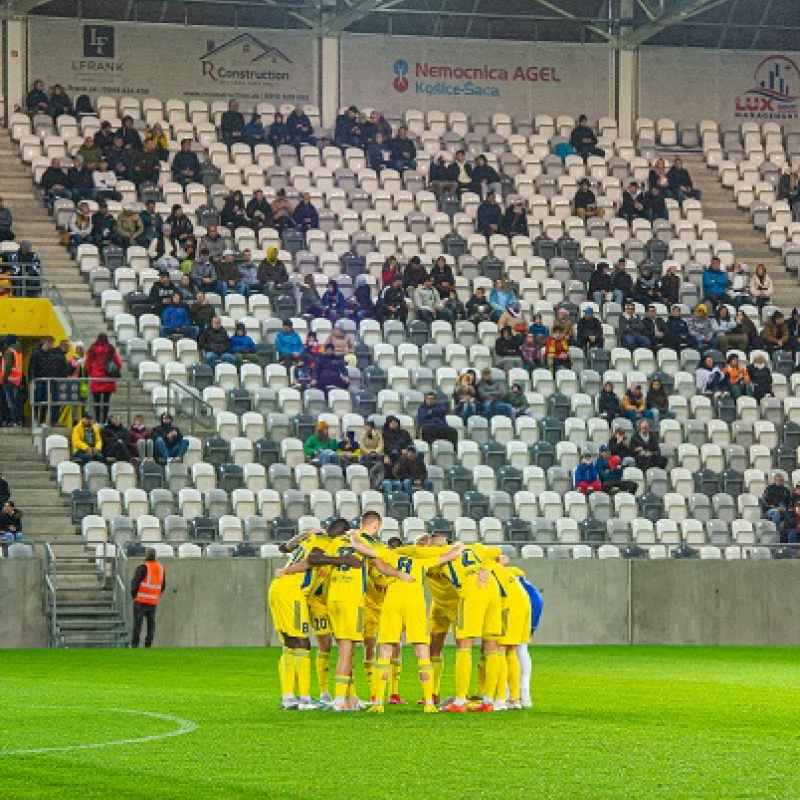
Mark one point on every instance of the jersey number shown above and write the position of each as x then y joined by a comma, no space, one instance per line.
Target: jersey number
404,564
343,553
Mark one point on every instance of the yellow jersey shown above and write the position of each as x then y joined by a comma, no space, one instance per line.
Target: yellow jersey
304,580
463,571
347,584
414,561
511,590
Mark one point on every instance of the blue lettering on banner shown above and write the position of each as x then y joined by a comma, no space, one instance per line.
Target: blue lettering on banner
468,89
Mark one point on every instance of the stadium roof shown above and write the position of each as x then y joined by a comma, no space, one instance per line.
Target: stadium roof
728,24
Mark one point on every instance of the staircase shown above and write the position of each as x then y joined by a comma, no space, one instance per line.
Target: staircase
736,226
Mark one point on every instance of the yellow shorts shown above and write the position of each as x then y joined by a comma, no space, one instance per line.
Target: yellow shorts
516,622
479,613
372,615
347,621
320,623
403,615
289,609
442,617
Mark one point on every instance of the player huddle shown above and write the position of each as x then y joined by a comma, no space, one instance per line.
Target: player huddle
346,585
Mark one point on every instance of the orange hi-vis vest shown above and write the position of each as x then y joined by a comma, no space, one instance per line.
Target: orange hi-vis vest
150,588
15,376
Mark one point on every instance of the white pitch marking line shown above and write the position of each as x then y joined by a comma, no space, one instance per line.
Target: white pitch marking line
184,726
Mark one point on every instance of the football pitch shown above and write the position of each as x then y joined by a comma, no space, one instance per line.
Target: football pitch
624,722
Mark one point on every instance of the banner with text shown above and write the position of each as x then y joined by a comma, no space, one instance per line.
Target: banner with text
394,73
190,63
690,84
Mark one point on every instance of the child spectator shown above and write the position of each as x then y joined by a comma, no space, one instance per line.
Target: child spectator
140,440
586,478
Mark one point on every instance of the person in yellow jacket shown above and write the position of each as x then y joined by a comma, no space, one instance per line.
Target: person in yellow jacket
87,443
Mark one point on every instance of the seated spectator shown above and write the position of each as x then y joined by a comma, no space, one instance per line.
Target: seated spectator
155,135
601,285
187,292
426,301
87,441
633,204
80,227
655,205
320,447
104,137
563,323
343,344
202,312
631,329
701,330
288,345
515,220
508,346
609,471
622,282
654,328
181,225
633,403
129,227
105,182
37,101
305,215
389,269
104,226
349,449
531,352
214,243
395,440
414,274
175,320
465,396
228,275
761,287
485,180
658,178
10,523
478,307
619,446
647,289
165,251
140,440
715,283
443,279
514,319
737,378
453,307
583,140
517,399
491,395
310,301
379,156
333,303
254,132
186,167
5,491
776,501
129,135
282,212
671,286
608,403
300,129
709,378
161,293
347,130
442,176
739,289
234,215
272,273
722,324
590,330
90,153
278,133
330,371
258,212
775,333
371,445
80,180
168,441
409,474
145,165
376,124
392,301
54,182
539,329
760,377
678,336
657,402
463,172
432,423
403,150
740,335
586,478
585,202
115,440
360,305
214,344
646,448
680,182
232,124
500,298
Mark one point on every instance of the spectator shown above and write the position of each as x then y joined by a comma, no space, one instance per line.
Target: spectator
479,307
10,523
248,273
463,172
140,440
155,135
278,133
333,303
715,283
181,225
214,344
403,150
427,301
145,165
601,285
392,302
234,215
409,474
254,133
442,177
722,324
739,333
633,204
11,379
102,364
104,137
232,125
105,182
500,298
214,243
187,292
517,399
414,274
87,441
655,205
776,501
243,348
90,153
115,440
395,440
485,180
37,101
709,378
371,445
538,329
376,124
175,320
646,448
26,271
657,402
330,371
584,140
631,329
168,441
186,167
5,491
775,333
310,301
761,287
443,279
680,182
671,285
282,212
609,471
760,377
513,319
54,182
453,307
6,223
701,330
491,395
129,135
618,446
228,275
658,178
305,215
655,328
633,403
129,227
622,282
587,480
564,324
288,344
737,378
202,312
80,180
465,396
164,250
349,449
590,330
360,305
515,221
347,131
507,346
678,336
431,418
585,202
321,447
300,129
161,293
379,156
531,352
739,290
608,403
343,344
272,273
46,364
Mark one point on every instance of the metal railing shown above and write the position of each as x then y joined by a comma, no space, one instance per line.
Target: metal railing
50,594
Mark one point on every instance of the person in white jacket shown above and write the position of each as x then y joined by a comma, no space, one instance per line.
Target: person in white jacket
105,182
761,287
164,251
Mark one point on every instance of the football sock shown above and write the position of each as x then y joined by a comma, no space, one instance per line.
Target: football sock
436,662
394,675
323,671
526,670
491,672
463,673
286,669
502,677
341,685
352,691
514,674
380,677
482,676
425,671
369,665
302,665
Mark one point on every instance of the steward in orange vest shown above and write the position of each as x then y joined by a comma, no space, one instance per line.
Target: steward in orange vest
11,381
147,586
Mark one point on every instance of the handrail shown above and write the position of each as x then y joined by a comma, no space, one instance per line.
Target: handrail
51,602
183,393
53,293
120,597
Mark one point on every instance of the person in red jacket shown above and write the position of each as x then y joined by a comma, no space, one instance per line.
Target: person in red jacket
99,365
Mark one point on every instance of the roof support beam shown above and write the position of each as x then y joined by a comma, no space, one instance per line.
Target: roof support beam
673,13
556,9
360,9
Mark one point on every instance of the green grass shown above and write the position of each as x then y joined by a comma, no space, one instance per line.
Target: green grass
625,722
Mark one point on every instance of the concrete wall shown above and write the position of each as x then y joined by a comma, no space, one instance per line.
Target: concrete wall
21,607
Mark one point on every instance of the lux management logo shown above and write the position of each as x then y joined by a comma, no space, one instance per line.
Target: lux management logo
400,69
